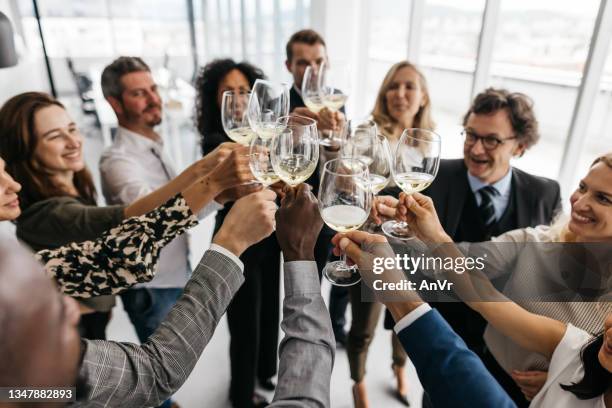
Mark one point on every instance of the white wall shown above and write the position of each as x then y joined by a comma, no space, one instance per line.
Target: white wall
29,74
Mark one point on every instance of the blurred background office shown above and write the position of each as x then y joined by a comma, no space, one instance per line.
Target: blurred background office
556,51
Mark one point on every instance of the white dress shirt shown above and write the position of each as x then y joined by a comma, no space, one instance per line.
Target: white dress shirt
132,167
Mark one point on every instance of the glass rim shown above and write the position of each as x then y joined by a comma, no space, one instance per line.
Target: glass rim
234,92
326,169
268,82
439,138
292,115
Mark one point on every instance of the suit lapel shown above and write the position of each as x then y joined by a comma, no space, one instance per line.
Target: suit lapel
459,188
523,199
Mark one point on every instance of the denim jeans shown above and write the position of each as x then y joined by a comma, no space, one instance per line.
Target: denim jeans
147,308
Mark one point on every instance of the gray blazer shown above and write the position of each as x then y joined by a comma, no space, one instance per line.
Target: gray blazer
124,374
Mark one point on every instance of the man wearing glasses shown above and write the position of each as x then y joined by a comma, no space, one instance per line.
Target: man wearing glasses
483,196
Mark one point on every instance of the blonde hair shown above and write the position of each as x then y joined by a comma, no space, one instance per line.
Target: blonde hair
380,113
559,226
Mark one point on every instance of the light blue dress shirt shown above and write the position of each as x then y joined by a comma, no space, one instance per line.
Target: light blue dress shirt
503,186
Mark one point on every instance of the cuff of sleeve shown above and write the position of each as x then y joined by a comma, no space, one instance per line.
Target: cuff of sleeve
411,317
229,254
301,277
209,209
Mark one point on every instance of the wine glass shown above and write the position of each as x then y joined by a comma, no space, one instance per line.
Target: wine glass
295,149
345,200
334,85
259,160
414,167
234,118
269,101
311,89
358,136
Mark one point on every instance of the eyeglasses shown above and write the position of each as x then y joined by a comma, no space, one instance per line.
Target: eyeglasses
488,142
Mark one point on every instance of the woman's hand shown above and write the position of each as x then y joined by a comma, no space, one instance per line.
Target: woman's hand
419,212
231,172
205,165
383,206
530,382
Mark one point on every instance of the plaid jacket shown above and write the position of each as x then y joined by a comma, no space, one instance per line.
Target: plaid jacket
118,374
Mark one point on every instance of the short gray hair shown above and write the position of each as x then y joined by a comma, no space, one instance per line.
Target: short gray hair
111,84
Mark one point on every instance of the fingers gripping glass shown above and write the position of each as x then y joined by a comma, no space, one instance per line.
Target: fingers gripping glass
345,200
414,167
488,142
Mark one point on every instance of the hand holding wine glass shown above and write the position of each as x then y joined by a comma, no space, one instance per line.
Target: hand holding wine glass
345,200
420,213
414,168
234,118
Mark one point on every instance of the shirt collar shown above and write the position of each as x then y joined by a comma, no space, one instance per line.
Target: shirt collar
136,140
296,89
502,185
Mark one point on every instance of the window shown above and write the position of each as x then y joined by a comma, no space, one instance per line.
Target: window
541,49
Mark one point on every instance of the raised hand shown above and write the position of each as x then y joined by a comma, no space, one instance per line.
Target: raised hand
250,220
419,211
298,223
383,206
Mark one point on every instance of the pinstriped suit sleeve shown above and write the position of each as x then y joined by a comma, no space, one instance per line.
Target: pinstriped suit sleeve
125,374
308,348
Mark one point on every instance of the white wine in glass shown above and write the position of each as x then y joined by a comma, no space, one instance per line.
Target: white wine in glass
311,89
334,84
295,150
269,101
414,167
345,200
259,161
234,118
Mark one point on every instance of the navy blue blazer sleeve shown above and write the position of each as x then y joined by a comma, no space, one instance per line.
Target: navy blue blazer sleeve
451,374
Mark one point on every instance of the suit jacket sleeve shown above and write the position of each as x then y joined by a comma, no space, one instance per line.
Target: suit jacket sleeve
308,348
124,374
451,374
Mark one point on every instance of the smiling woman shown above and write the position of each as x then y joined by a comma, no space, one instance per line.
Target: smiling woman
42,148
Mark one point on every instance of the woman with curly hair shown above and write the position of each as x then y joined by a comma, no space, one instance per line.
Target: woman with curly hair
253,315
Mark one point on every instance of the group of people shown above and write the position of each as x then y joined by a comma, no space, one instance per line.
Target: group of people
466,354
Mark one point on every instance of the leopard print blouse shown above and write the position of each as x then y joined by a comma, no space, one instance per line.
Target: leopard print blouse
123,256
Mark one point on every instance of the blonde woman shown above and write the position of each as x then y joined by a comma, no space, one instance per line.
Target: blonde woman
402,102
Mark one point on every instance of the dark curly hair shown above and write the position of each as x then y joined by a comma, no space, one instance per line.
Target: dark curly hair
208,114
520,112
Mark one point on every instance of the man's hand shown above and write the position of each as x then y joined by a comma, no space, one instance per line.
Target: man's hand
231,172
303,111
530,382
419,211
250,220
330,120
235,193
298,223
383,206
363,248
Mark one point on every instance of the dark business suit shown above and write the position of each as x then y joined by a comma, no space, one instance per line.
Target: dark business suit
450,373
533,201
339,295
253,314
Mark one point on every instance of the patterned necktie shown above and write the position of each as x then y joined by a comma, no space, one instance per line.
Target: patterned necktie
486,208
